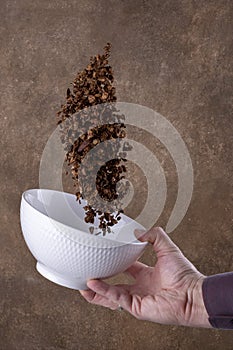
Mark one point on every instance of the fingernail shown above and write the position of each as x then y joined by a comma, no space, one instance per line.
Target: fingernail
138,232
89,283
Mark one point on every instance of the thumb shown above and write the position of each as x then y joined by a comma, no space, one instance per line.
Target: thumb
162,243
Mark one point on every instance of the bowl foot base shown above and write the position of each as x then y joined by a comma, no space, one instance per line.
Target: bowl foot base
73,283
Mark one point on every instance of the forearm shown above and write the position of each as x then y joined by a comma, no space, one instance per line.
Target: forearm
199,316
211,301
218,299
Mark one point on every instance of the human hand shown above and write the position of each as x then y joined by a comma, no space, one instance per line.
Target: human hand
168,293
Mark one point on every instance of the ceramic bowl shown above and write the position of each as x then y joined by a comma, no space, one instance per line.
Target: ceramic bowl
55,232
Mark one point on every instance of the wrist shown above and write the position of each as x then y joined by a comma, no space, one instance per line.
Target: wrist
199,316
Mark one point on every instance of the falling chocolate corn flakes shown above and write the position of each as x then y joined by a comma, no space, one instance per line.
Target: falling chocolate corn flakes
90,128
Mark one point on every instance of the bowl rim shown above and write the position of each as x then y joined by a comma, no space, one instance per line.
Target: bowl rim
80,232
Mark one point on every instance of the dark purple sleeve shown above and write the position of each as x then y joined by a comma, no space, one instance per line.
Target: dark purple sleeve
218,299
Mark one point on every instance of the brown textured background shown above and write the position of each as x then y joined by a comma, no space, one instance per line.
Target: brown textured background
172,56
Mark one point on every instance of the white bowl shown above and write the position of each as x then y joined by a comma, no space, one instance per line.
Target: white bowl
67,254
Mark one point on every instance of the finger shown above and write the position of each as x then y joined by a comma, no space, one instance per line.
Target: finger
117,294
94,298
162,243
135,269
87,294
139,233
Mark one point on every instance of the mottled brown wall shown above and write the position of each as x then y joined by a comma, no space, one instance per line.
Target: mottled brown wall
172,56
